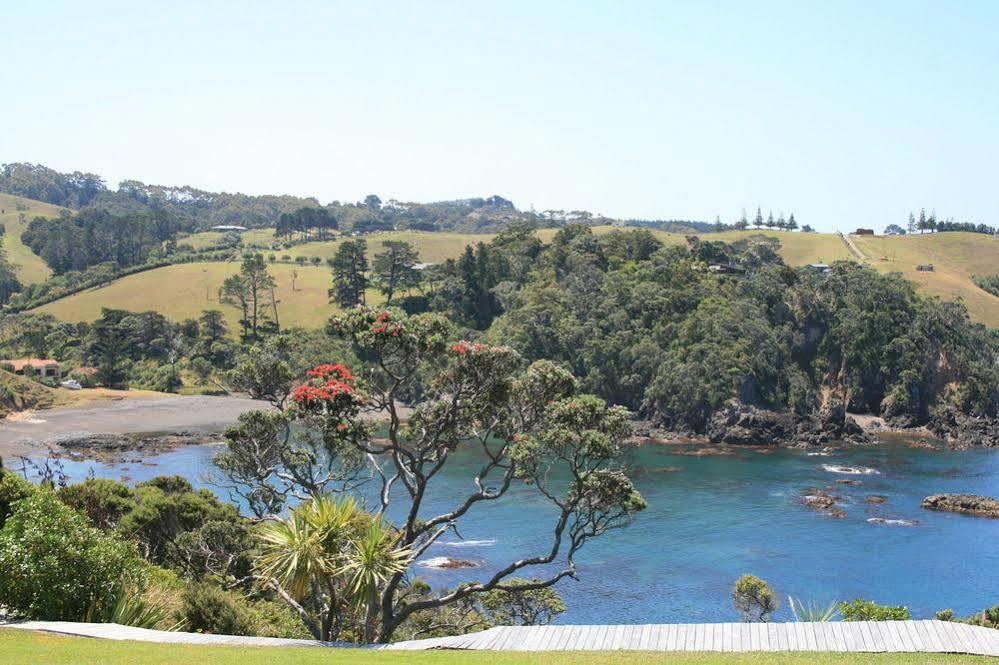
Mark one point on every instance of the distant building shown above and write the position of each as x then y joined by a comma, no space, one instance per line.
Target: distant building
43,367
924,267
228,227
864,232
819,267
726,269
422,266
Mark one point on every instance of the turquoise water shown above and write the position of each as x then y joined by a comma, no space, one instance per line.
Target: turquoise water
714,518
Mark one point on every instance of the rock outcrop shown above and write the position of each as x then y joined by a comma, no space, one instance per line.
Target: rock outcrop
963,431
967,504
740,424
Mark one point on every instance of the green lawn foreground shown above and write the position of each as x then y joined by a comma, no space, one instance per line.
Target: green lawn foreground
19,647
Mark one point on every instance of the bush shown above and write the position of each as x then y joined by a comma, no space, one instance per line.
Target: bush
868,610
12,488
754,598
209,609
104,501
59,568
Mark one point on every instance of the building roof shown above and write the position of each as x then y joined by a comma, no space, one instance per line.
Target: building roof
36,363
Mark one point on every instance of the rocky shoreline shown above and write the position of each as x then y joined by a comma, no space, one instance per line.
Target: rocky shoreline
118,448
743,425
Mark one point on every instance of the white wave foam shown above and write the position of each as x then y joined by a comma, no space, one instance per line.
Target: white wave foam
850,470
882,520
469,543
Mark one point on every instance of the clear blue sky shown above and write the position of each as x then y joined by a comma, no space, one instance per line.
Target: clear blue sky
846,113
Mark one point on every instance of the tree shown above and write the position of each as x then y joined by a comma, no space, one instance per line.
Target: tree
252,292
792,224
922,224
394,269
535,607
912,223
9,283
350,268
754,599
770,221
526,424
328,556
109,345
372,201
742,223
758,220
719,227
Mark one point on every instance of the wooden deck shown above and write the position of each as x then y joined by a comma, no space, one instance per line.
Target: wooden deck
929,636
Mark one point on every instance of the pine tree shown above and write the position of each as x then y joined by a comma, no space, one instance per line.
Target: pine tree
921,224
770,221
758,220
791,223
781,222
743,222
350,268
912,223
719,227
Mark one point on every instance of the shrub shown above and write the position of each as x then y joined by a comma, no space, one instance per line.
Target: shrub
868,610
754,599
59,568
209,609
12,488
103,501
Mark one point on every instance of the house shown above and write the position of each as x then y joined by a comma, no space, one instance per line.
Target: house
864,232
822,268
46,368
228,227
726,269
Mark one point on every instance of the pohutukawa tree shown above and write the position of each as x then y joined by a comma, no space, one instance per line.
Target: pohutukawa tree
527,425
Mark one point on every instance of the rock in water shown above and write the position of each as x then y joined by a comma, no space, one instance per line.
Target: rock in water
968,504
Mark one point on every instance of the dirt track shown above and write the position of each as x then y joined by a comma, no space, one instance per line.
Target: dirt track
196,414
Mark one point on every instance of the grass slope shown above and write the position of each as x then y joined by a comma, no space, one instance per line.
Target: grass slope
15,214
956,256
22,647
185,290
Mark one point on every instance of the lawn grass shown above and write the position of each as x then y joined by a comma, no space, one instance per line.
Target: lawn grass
22,647
30,268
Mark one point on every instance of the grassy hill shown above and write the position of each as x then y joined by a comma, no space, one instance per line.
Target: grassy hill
185,290
15,214
955,258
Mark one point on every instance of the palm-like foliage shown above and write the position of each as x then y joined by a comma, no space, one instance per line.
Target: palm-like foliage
812,611
333,548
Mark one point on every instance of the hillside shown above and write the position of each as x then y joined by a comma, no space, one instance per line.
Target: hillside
15,213
184,290
193,287
955,257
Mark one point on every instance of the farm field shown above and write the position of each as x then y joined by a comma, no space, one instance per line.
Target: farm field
15,214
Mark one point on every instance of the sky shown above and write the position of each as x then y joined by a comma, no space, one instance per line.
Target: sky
845,113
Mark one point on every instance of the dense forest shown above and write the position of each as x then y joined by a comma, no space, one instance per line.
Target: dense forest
656,329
